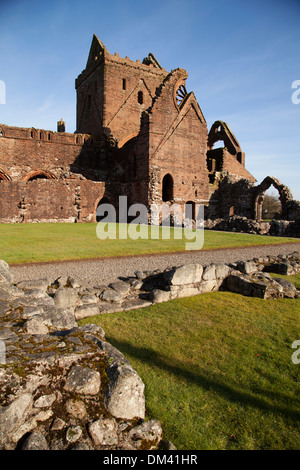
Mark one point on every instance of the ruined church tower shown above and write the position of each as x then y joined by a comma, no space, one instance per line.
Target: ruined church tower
140,133
112,92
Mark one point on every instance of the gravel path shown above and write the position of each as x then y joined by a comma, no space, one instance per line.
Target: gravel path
103,271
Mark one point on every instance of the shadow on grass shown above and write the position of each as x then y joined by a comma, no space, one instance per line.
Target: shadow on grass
243,397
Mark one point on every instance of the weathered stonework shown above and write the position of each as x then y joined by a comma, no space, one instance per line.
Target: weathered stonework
140,134
63,386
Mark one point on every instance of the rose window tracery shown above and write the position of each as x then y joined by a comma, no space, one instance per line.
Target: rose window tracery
180,94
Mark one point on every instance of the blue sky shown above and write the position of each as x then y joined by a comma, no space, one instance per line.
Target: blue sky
242,57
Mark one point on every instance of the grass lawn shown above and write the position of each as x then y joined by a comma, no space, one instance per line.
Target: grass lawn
22,243
217,368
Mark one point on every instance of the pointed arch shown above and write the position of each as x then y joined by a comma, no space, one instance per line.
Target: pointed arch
285,196
167,188
126,139
220,131
190,210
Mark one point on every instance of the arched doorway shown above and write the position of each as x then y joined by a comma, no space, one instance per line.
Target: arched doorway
284,196
271,205
190,210
167,188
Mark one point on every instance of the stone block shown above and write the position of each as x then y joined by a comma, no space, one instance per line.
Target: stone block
87,310
209,273
208,286
157,296
121,287
289,290
187,291
35,441
247,267
104,432
124,395
83,380
36,326
110,295
66,297
254,286
146,433
57,318
222,271
13,416
41,284
135,304
183,275
6,276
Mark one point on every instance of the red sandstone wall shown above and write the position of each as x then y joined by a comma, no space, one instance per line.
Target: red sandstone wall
172,139
49,201
21,154
234,168
90,101
122,111
178,144
107,95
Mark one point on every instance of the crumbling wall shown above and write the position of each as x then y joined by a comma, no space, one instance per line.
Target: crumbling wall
24,150
230,197
177,143
50,201
290,208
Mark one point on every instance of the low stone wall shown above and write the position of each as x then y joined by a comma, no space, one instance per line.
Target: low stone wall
280,228
63,386
249,278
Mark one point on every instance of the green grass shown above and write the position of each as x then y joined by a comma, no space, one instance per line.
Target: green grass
295,279
23,243
217,368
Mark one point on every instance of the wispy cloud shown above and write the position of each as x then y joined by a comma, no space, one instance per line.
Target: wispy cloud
47,104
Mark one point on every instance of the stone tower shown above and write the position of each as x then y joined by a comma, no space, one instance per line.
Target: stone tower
112,92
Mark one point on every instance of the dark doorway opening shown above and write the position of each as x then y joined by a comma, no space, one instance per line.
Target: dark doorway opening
167,188
190,210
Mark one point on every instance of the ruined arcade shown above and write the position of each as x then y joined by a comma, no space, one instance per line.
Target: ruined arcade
141,134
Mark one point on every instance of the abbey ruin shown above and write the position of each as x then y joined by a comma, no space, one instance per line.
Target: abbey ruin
139,134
